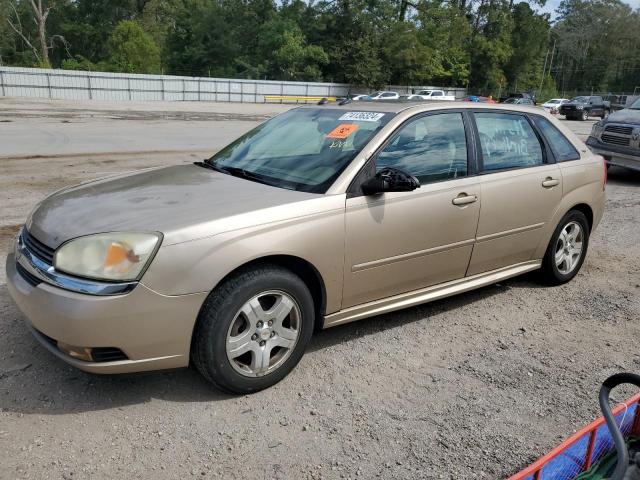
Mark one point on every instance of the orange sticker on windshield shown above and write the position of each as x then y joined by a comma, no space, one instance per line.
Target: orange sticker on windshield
343,130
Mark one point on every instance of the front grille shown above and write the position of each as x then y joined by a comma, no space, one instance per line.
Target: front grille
615,140
37,248
619,129
28,276
107,354
567,107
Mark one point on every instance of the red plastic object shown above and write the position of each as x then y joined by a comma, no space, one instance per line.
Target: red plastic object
535,469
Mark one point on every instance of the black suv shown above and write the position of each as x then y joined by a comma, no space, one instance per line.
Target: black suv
581,108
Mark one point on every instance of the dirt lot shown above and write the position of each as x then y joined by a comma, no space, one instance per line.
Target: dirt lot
475,386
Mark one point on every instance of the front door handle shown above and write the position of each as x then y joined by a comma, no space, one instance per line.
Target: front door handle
464,199
550,182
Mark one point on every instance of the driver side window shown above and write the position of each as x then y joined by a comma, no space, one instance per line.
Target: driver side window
431,148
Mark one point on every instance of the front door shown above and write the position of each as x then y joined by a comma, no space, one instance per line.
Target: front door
402,241
520,191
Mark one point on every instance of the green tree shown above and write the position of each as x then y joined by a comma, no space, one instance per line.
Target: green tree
598,43
203,41
88,24
445,28
529,42
132,50
408,60
283,52
491,45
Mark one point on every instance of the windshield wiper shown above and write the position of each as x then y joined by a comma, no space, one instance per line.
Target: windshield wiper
235,171
242,173
211,166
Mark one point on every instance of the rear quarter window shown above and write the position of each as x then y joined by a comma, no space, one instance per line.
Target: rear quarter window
563,150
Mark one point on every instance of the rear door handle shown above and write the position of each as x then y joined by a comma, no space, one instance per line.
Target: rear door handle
550,182
464,199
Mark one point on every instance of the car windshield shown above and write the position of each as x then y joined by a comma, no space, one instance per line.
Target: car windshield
554,100
511,100
635,105
580,99
303,149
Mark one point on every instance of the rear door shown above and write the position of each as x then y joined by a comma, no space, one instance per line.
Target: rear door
521,187
597,106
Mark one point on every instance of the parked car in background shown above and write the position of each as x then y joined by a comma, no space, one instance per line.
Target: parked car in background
519,101
321,216
361,96
553,105
431,95
583,107
618,102
528,95
478,99
617,137
384,95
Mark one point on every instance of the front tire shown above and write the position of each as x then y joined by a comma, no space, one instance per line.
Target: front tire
567,249
584,115
253,329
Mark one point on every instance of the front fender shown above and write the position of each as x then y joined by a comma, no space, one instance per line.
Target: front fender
199,265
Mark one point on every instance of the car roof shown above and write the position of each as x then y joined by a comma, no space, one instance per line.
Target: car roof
400,106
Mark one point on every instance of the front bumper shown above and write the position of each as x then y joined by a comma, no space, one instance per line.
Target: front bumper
616,155
153,330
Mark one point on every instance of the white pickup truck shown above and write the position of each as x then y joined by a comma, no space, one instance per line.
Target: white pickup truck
431,95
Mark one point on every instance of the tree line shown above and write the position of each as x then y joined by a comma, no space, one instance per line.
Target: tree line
488,46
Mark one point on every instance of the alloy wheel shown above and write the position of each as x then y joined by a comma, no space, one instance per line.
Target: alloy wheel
263,333
569,248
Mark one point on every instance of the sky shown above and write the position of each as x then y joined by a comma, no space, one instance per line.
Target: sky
551,6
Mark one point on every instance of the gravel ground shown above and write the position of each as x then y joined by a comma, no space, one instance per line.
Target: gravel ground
475,386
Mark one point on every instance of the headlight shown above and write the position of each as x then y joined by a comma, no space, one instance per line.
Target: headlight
107,256
597,129
580,107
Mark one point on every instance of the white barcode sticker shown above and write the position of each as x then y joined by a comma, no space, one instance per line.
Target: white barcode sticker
362,116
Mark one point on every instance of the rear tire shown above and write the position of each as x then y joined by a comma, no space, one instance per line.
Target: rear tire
567,249
253,329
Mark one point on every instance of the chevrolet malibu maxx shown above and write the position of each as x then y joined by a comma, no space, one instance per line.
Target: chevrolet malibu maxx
320,216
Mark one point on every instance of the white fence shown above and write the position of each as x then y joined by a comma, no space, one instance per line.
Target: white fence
81,85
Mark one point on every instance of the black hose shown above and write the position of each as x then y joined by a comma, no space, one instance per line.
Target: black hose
621,447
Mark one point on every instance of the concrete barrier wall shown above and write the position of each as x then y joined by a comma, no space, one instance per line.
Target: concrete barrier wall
81,85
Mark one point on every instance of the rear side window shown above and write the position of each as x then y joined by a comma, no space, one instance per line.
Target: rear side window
508,141
562,148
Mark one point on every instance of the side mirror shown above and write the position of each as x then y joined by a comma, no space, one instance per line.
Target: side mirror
390,180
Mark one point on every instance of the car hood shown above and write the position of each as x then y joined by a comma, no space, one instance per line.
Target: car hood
182,202
627,115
